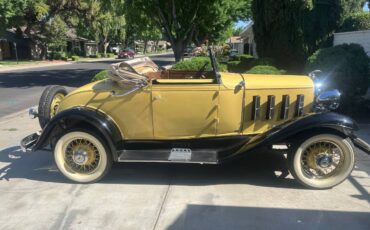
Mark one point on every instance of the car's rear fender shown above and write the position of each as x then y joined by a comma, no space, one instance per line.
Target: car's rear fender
80,117
313,123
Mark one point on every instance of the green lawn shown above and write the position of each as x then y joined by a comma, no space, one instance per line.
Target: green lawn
12,62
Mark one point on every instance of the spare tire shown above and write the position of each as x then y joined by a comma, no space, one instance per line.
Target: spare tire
49,103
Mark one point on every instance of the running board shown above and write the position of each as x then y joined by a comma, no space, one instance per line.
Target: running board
175,155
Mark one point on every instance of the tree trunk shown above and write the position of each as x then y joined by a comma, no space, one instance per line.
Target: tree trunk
44,51
106,44
178,49
1,54
145,46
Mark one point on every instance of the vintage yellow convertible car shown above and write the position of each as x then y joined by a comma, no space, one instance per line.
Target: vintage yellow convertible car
143,113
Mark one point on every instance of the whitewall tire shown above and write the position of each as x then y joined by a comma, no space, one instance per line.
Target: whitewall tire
322,161
82,157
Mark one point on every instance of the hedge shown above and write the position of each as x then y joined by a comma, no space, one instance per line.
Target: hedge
100,76
265,69
193,64
75,58
346,68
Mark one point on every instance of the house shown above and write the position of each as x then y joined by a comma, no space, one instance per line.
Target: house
80,46
361,37
13,44
249,44
236,43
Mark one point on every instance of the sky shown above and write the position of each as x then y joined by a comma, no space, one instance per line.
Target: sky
244,23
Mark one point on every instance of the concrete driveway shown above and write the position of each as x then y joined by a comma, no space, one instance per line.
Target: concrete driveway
243,195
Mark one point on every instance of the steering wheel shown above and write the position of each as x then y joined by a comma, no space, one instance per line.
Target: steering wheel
200,72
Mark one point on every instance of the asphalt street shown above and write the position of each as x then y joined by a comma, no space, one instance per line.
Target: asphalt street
21,89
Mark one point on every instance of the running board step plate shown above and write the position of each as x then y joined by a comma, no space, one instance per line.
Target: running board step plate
175,155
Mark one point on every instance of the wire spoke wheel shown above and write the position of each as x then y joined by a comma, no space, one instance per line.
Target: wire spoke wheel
82,156
322,161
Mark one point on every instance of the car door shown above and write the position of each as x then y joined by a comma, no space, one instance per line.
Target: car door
184,108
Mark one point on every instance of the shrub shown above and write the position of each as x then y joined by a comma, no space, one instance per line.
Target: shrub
222,67
100,76
65,58
75,58
111,55
355,22
346,68
57,55
265,69
194,63
264,61
238,66
245,57
95,56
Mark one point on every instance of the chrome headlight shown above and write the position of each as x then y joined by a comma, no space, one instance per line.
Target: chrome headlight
325,100
328,100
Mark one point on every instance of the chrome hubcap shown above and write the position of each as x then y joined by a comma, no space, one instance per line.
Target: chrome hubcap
324,160
82,156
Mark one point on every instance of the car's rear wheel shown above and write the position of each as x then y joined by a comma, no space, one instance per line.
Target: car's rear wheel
82,156
49,103
322,161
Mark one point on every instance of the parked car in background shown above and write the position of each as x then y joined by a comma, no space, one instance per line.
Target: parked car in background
143,113
127,53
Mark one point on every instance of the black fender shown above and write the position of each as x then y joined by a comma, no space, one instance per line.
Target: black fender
327,121
95,119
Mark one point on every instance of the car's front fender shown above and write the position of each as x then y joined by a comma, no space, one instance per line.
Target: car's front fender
302,125
96,120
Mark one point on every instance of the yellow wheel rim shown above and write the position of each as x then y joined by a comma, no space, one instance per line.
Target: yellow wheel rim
55,104
322,159
82,156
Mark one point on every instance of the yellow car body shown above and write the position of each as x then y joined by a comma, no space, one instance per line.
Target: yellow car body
194,108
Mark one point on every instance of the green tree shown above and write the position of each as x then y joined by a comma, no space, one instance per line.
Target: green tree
355,22
184,21
290,31
33,17
105,22
56,33
140,26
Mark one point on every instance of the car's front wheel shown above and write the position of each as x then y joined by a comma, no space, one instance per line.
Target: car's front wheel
322,161
82,156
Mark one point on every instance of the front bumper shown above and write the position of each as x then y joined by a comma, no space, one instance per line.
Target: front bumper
29,142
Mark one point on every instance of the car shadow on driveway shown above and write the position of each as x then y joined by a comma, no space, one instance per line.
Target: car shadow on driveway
261,169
